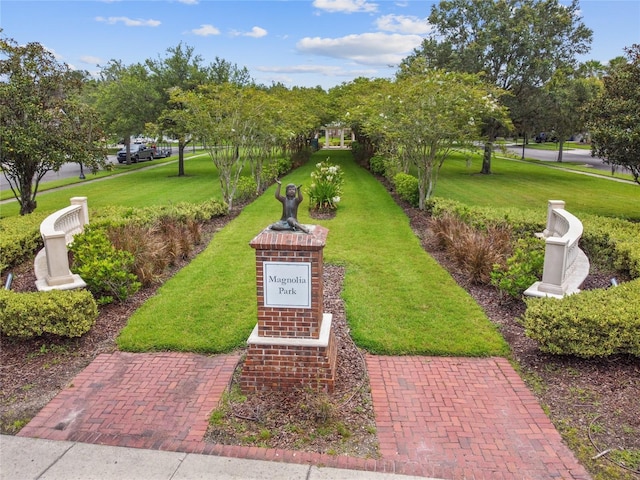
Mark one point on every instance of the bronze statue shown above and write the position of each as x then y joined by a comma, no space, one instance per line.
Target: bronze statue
290,202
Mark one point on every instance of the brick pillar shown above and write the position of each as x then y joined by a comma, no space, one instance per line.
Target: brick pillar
293,343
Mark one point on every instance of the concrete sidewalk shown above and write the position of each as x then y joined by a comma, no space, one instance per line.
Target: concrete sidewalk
29,459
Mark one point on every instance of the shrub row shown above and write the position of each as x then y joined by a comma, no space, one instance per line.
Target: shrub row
594,323
19,238
68,313
608,242
407,188
125,248
110,255
145,216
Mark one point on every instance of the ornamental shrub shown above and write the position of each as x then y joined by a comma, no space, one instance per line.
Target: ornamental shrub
326,186
67,313
407,188
377,165
246,189
522,268
107,271
592,323
19,238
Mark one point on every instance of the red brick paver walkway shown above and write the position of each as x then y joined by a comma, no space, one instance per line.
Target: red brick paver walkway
453,418
465,418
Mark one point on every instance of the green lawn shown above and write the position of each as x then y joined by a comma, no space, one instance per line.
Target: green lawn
398,299
530,185
159,185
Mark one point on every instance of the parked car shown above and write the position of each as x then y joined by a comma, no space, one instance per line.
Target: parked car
161,152
546,137
139,152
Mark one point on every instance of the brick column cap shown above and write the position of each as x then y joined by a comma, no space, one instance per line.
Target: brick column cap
288,240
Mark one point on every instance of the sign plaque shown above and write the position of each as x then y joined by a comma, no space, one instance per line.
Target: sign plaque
287,284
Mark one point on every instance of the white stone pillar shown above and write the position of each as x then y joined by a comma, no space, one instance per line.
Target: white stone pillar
551,218
82,201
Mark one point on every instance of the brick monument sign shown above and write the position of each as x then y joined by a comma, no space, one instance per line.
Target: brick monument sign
293,344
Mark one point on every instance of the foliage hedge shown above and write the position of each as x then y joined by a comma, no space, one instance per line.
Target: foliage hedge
594,323
146,216
20,238
67,313
407,188
608,242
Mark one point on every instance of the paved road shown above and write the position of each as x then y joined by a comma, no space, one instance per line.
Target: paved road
571,155
66,171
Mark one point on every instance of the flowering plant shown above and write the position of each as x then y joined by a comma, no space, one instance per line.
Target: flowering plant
326,186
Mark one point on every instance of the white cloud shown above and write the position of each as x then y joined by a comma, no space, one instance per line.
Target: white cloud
205,31
56,55
129,22
404,24
286,74
189,2
321,69
90,59
345,6
364,49
256,32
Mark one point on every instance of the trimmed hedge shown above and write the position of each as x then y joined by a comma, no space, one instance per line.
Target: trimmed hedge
20,238
146,216
67,313
594,323
407,188
610,242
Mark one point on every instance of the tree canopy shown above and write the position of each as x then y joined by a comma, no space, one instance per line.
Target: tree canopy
515,44
614,117
42,122
424,116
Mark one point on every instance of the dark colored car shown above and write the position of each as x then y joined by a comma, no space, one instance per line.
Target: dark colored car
546,137
139,152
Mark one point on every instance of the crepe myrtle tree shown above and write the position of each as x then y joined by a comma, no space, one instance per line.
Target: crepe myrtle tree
219,116
429,115
43,124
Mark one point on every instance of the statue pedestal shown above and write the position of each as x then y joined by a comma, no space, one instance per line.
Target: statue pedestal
293,344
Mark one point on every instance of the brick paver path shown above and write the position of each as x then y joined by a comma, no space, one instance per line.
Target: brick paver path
452,418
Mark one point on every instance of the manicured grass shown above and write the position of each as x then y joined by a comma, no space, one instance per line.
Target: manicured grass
528,185
398,299
115,170
159,185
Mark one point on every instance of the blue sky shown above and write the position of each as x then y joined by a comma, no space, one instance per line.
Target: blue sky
296,42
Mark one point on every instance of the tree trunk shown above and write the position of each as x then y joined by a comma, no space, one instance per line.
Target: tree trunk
561,144
486,158
27,203
181,147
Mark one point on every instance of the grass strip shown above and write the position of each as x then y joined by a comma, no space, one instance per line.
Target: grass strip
398,299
